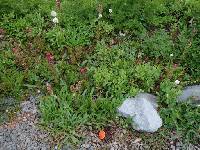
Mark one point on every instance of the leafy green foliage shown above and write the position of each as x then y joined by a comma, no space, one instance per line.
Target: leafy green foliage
148,75
11,80
113,68
159,45
91,67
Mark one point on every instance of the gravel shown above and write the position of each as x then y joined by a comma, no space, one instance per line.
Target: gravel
22,132
116,139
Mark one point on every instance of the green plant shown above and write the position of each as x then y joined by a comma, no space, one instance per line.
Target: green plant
158,45
148,74
56,37
182,117
11,78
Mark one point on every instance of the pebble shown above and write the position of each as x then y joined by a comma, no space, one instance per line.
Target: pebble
24,119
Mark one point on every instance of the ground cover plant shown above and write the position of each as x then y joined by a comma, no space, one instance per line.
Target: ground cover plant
97,53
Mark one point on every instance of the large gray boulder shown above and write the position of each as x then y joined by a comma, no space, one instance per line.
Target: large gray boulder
149,97
192,94
142,110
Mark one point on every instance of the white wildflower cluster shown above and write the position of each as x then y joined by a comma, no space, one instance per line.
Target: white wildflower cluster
177,82
121,33
54,15
100,14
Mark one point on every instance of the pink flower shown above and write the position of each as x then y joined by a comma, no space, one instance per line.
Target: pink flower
83,70
175,66
49,57
14,50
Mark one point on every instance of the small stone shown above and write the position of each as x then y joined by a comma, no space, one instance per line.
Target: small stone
24,119
143,113
173,147
112,148
191,94
137,140
124,131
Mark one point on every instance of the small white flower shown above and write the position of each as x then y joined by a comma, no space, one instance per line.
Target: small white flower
100,16
53,14
171,55
177,82
6,110
110,10
140,54
56,147
122,34
55,20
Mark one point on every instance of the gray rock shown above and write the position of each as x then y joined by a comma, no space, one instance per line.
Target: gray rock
143,113
192,94
149,97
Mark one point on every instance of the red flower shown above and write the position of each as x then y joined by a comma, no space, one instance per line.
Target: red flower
83,70
49,57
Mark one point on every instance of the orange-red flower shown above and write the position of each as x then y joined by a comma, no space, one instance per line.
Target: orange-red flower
102,134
